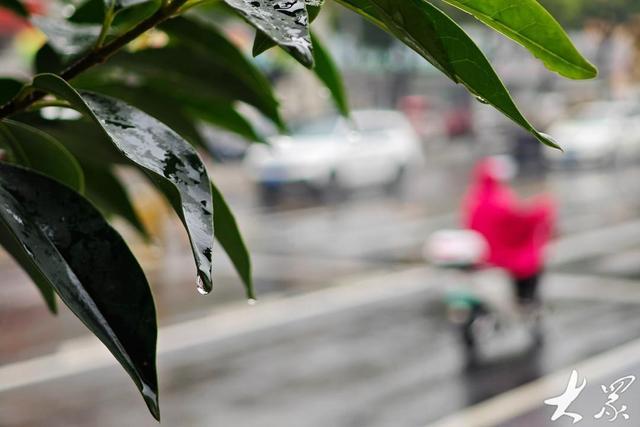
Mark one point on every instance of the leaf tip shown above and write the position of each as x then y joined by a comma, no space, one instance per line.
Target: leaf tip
151,399
549,140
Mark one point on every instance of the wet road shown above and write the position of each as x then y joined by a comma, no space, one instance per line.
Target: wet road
350,331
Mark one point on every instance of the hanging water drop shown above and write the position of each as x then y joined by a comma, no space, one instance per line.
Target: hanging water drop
151,399
252,301
201,287
550,140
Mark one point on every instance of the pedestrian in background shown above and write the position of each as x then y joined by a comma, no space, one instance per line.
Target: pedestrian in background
517,232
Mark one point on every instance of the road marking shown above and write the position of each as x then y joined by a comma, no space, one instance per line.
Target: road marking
87,353
595,242
528,397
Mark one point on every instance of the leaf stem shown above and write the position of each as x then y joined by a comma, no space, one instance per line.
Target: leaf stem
106,25
97,56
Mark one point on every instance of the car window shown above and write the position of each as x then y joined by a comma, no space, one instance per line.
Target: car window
325,126
369,122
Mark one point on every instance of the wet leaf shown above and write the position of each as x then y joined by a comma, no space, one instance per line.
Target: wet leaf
8,89
286,22
452,51
263,42
329,74
528,23
97,157
36,150
152,146
177,109
67,38
61,239
15,6
229,236
154,102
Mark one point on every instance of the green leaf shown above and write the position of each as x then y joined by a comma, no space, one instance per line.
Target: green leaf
82,138
89,12
204,78
133,14
223,116
35,149
67,38
13,247
47,60
452,50
15,6
284,22
528,23
229,236
119,5
410,21
224,55
105,190
96,156
263,42
127,12
65,241
328,73
154,102
8,89
176,109
159,151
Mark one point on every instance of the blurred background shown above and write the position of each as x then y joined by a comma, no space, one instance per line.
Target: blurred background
351,325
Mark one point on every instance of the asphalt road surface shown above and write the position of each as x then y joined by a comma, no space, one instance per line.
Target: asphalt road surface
350,330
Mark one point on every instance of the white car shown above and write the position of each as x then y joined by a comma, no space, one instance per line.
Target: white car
375,148
598,133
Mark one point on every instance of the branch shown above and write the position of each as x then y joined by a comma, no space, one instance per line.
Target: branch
97,56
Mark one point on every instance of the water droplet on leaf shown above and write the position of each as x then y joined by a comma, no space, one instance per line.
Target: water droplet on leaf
151,399
481,100
551,140
200,286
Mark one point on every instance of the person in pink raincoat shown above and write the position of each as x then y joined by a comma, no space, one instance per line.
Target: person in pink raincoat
516,232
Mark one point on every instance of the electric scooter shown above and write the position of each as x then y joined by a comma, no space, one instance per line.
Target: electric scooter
478,299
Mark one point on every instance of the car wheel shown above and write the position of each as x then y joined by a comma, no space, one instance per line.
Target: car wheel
396,186
268,195
333,191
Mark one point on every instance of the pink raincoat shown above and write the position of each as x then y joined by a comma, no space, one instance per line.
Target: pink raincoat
517,233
